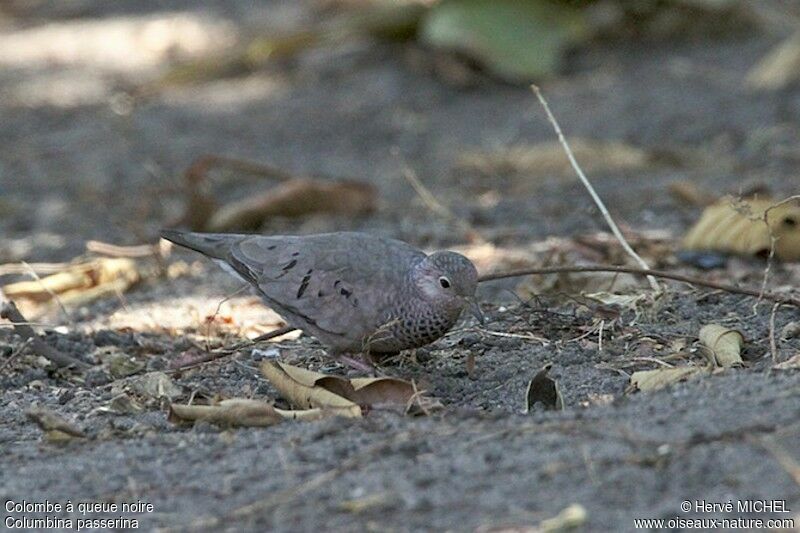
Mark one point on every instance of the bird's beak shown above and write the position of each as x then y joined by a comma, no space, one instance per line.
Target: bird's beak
475,309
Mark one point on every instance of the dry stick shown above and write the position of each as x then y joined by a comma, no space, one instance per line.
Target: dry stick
773,347
213,356
13,355
42,268
772,241
113,250
598,202
780,298
437,207
50,292
10,312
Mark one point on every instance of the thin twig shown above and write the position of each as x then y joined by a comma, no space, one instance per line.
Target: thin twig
780,298
42,268
772,241
55,297
113,250
773,347
439,208
13,355
528,337
219,354
586,183
213,317
10,312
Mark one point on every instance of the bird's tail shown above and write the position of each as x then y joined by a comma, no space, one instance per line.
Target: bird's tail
214,245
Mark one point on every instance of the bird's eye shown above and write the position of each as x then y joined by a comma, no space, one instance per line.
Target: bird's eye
444,282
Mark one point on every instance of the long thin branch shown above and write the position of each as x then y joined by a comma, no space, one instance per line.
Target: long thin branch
213,356
780,298
10,312
586,183
430,201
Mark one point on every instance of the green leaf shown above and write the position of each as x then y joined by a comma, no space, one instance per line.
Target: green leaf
518,40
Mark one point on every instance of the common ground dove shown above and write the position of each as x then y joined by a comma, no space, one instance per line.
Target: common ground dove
355,292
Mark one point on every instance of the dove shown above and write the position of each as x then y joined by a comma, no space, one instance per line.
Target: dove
356,293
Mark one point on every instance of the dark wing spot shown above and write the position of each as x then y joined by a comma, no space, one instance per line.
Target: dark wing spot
295,254
336,283
272,247
320,294
303,285
287,267
344,292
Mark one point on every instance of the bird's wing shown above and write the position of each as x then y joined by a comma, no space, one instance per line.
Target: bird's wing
339,283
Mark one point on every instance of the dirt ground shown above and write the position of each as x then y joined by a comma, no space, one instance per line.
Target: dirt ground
79,160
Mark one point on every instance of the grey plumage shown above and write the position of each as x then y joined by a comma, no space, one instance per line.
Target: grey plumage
354,292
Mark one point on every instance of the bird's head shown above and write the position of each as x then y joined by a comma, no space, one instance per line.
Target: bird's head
448,279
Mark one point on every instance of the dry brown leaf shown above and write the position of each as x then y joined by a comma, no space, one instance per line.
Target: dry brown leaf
571,518
55,428
543,389
793,363
651,380
547,159
371,502
299,387
119,363
372,391
228,413
294,198
121,404
155,385
358,391
724,345
688,192
121,273
744,228
779,68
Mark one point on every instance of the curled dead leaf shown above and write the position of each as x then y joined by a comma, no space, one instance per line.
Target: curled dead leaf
96,277
659,378
294,198
55,428
572,517
793,363
299,387
228,413
313,389
724,345
119,363
747,228
546,159
689,192
543,390
155,385
121,404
